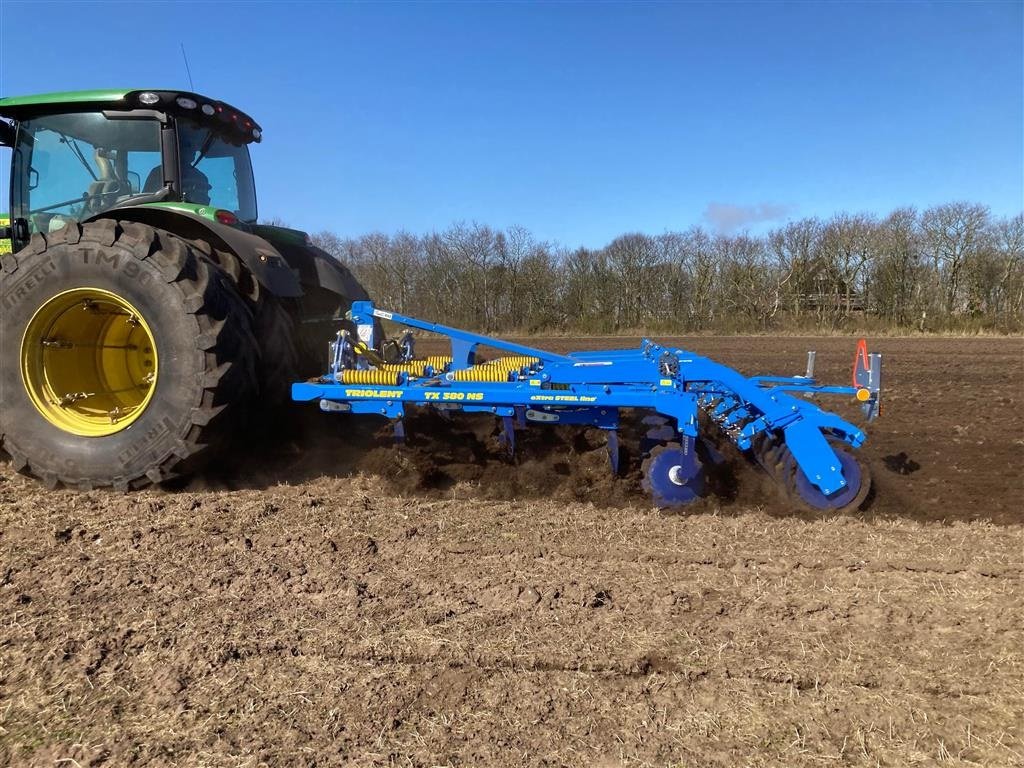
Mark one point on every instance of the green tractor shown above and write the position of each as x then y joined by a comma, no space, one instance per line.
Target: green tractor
143,310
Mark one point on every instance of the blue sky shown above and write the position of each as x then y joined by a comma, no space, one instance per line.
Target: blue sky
579,121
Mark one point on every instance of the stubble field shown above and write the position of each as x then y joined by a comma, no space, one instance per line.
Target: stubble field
323,598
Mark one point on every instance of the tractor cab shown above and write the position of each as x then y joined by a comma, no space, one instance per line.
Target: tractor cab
76,155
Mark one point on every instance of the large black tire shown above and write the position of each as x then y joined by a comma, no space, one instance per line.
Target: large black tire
279,358
202,329
318,318
273,326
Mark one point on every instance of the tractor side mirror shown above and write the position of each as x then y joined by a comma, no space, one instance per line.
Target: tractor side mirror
33,178
18,230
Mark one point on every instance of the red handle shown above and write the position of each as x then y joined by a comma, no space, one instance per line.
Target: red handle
860,362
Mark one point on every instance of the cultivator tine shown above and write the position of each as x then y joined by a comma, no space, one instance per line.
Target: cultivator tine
507,438
520,416
399,431
613,450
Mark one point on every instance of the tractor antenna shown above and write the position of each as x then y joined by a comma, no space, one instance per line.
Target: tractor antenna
187,70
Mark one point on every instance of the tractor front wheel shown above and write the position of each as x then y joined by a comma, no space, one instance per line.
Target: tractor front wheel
124,355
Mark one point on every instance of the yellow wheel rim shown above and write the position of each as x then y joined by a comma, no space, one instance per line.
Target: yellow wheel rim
89,363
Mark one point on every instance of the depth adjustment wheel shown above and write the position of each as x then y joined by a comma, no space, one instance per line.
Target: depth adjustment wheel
673,474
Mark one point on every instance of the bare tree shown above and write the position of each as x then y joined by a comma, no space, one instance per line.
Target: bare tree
631,259
847,247
590,300
797,251
952,233
896,276
953,264
701,262
1009,238
750,283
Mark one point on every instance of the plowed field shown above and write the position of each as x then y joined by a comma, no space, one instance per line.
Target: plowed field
323,598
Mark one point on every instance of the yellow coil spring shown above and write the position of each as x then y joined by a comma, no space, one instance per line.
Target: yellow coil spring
481,373
385,378
514,361
437,362
414,368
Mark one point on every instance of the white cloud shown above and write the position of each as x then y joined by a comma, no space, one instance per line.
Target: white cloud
726,218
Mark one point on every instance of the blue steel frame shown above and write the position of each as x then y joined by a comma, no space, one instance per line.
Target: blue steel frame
590,387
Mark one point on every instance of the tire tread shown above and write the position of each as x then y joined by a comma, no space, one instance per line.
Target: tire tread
224,339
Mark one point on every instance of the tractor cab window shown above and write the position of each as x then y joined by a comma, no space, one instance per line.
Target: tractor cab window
214,171
73,166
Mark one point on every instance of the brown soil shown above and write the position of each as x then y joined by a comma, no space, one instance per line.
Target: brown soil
325,598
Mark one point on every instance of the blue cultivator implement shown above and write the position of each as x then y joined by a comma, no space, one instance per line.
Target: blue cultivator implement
772,419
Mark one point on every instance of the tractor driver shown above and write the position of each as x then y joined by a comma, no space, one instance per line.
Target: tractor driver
195,186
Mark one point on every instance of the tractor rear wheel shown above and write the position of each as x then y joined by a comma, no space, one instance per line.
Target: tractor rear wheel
273,326
125,355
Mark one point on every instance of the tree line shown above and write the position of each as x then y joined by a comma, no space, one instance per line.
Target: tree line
952,267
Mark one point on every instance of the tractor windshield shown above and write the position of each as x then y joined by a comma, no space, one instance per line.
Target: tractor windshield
214,171
73,166
70,167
